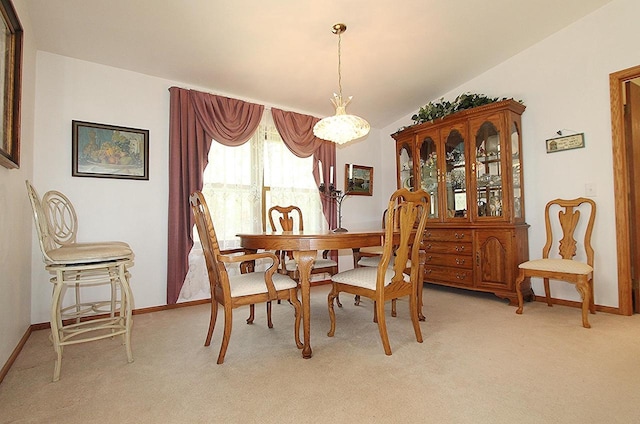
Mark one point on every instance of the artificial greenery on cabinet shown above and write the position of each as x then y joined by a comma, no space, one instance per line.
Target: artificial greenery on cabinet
439,109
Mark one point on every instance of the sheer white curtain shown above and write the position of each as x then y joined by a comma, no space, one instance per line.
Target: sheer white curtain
289,180
234,182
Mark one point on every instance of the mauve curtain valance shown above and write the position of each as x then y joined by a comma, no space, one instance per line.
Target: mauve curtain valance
195,118
297,132
228,121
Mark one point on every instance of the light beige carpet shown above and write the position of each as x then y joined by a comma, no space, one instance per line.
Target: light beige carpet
479,363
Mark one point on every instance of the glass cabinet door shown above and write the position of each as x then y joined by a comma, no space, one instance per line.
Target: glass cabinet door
489,195
517,172
405,166
455,174
429,173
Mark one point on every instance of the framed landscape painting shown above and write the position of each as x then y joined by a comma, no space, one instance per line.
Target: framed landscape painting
359,180
109,151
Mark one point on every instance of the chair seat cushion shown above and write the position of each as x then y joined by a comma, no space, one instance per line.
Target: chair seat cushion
557,265
319,263
253,283
90,252
373,250
371,261
364,277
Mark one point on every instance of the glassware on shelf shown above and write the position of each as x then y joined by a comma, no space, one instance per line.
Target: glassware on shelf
405,164
495,205
408,182
484,180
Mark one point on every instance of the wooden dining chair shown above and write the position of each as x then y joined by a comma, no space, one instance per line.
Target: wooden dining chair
370,257
284,218
245,289
385,283
563,266
287,216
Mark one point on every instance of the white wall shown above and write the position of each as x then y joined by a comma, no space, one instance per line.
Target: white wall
15,213
108,209
564,82
364,212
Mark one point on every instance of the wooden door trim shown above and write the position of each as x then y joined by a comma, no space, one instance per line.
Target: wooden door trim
620,171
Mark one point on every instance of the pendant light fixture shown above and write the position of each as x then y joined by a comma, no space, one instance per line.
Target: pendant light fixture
340,128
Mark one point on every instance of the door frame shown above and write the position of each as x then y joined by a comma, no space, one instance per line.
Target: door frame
620,175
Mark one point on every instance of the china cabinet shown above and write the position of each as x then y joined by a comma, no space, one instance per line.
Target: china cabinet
470,163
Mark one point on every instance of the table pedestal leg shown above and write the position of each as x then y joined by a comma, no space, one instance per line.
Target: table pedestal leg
305,260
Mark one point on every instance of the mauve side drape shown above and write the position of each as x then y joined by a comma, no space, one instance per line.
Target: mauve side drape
296,131
195,119
327,154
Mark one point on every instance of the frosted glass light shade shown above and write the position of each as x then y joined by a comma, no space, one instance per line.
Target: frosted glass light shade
341,128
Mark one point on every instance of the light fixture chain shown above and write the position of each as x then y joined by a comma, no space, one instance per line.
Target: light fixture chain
339,65
341,127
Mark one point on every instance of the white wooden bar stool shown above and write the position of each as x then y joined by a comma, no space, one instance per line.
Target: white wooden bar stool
83,267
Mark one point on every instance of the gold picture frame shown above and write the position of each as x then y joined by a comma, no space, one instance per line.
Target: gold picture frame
358,180
10,85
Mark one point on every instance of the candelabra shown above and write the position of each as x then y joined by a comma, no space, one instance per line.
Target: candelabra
337,196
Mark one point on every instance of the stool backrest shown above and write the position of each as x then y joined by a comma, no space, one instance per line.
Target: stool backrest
61,217
47,242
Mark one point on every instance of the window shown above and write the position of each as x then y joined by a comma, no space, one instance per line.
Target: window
241,184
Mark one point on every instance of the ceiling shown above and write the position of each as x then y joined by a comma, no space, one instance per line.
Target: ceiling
396,55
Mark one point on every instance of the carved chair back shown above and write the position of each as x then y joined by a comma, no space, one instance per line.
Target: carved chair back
211,249
561,232
287,216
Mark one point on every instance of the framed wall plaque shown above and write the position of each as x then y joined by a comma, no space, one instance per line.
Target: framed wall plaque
566,142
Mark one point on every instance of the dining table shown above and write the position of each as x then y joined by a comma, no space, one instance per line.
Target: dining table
305,246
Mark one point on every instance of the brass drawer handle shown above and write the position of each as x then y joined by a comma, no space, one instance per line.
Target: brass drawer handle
460,261
429,258
428,246
461,276
459,236
459,248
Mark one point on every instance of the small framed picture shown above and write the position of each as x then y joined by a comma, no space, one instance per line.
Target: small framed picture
108,151
566,142
358,180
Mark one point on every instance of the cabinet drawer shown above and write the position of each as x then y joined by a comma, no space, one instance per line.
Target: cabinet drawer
462,234
455,248
452,275
458,261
